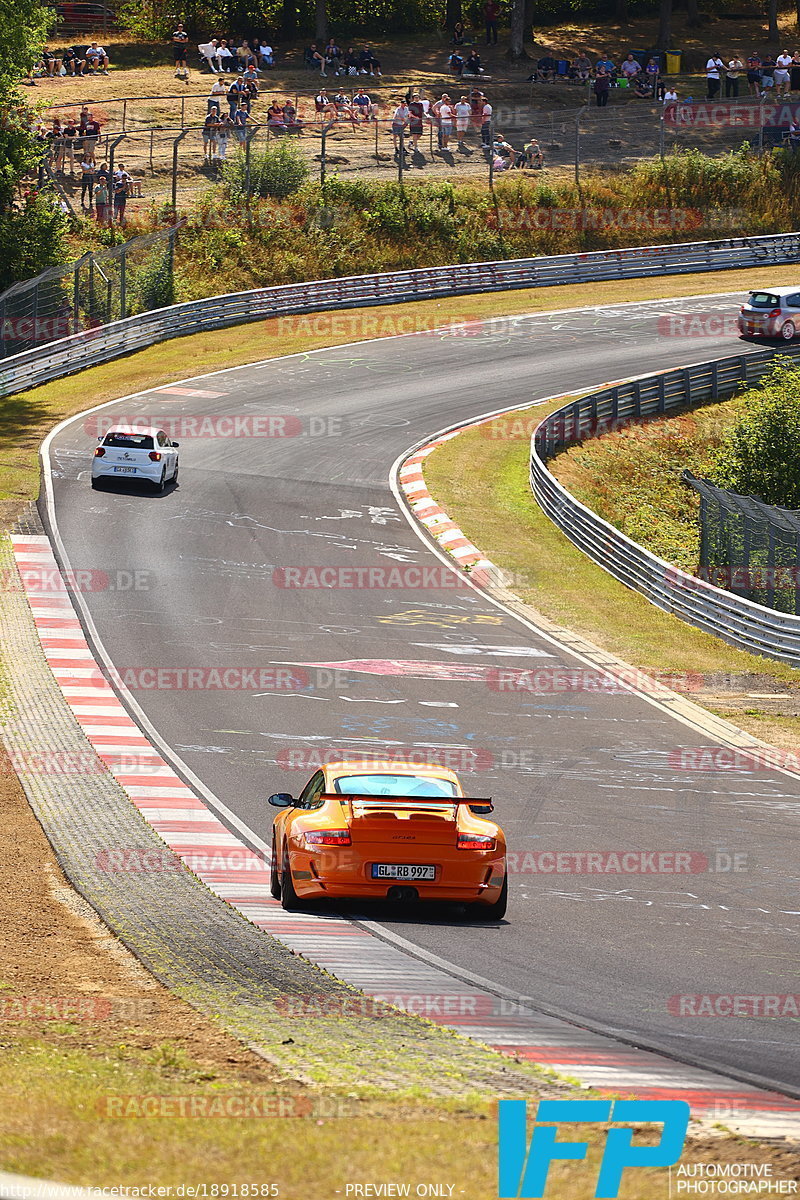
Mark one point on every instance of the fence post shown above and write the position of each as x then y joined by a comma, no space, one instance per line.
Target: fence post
124,113
183,111
123,284
760,126
112,147
578,116
76,295
248,138
401,157
377,156
175,145
661,134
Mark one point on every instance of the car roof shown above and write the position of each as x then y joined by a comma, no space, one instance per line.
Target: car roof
143,430
778,291
373,766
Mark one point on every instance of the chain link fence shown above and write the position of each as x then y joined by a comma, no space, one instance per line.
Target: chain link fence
85,295
748,547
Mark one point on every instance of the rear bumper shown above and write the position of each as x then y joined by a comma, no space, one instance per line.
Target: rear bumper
150,473
760,326
474,877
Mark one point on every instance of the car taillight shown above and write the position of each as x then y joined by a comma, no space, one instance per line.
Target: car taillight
99,452
328,837
155,456
475,841
774,312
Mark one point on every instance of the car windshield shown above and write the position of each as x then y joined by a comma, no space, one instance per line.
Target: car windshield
129,441
394,785
764,300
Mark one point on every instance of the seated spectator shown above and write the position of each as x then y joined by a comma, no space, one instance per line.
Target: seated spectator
323,105
209,55
582,68
607,65
362,105
631,68
316,59
473,64
643,88
458,34
267,55
52,63
276,120
456,63
351,61
531,155
546,68
670,101
333,57
503,153
73,61
290,118
96,57
793,136
243,55
368,63
225,57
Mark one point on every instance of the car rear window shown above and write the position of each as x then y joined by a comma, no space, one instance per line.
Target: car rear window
129,441
393,785
764,300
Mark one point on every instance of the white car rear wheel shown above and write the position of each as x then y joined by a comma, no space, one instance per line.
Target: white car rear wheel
788,330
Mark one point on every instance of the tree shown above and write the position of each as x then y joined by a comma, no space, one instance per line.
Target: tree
665,24
288,18
772,12
516,51
454,12
692,13
30,227
761,454
321,22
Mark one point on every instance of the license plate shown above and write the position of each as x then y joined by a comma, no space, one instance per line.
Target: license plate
126,470
402,871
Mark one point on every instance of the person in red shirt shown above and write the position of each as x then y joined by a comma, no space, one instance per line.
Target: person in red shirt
491,11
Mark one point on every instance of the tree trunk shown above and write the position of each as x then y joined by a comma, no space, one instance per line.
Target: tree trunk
797,12
288,18
774,32
516,51
665,24
621,11
692,14
454,13
530,10
321,20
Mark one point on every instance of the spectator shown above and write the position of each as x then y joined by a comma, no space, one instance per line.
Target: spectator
767,75
69,133
87,182
733,71
446,119
458,34
503,154
225,57
209,53
267,55
102,197
316,59
235,92
290,118
783,64
643,88
351,61
276,120
463,112
631,68
52,63
180,43
363,105
754,74
546,68
243,55
416,116
322,105
91,132
209,133
73,62
795,72
96,57
224,127
607,65
601,87
400,121
670,102
57,143
532,155
455,63
368,63
582,67
486,121
240,119
218,90
120,189
491,11
714,67
250,82
333,57
473,64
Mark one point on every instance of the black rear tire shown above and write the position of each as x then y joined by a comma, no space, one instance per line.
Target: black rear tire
289,897
274,877
496,911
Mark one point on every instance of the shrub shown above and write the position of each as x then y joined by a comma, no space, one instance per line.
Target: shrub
761,454
277,170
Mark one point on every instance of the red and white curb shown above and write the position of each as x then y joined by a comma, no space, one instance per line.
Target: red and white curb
348,951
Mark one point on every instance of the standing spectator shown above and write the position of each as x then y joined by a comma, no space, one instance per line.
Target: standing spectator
95,57
73,61
400,120
87,182
416,115
240,119
733,71
180,42
714,67
463,111
446,118
486,122
225,57
91,132
491,11
767,75
224,127
782,77
795,71
601,87
218,90
209,133
57,143
631,68
754,74
235,93
101,201
120,187
69,133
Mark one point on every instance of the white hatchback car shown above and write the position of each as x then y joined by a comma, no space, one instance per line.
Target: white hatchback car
771,313
138,452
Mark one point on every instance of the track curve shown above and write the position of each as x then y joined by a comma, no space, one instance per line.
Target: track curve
409,668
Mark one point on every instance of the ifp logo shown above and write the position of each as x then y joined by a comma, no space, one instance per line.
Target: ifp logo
523,1168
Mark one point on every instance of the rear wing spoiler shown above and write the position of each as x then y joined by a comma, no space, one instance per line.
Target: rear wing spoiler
479,805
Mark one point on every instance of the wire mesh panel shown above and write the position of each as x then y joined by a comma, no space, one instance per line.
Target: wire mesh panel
748,547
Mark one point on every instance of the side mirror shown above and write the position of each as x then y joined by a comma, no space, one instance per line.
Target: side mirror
281,800
176,444
100,438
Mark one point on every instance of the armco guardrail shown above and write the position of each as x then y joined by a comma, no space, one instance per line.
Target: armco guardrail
742,623
22,371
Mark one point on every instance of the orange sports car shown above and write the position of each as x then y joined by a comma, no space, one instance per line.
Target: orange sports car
375,830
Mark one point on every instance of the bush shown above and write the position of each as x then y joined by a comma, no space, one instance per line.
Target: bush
277,171
761,454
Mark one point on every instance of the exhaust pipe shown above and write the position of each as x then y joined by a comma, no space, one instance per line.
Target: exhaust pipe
402,893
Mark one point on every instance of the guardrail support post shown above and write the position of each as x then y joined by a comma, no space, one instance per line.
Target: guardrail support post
175,145
123,285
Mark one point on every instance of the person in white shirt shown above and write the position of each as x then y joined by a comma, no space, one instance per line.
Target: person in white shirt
96,57
208,51
218,90
463,111
781,74
670,100
446,117
400,120
267,55
486,124
732,73
225,57
713,68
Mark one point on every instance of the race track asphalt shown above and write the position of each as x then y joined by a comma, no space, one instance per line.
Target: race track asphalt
570,771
